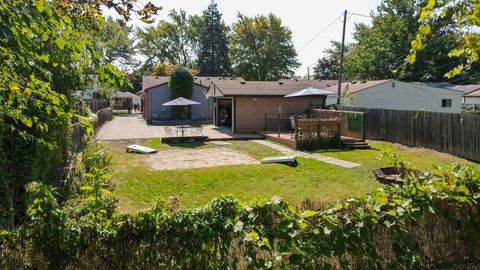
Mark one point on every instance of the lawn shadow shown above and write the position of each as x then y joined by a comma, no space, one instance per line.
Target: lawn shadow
340,150
189,145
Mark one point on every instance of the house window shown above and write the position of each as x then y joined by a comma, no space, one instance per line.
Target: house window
446,103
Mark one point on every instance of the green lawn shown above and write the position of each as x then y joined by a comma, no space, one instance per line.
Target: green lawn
137,186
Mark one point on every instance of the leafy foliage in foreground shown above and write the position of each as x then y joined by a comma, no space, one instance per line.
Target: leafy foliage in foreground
44,57
393,227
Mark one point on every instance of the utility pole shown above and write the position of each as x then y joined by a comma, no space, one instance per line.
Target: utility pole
308,73
340,74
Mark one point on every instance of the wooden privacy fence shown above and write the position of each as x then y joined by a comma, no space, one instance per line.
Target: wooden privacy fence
352,124
454,133
96,105
78,130
103,116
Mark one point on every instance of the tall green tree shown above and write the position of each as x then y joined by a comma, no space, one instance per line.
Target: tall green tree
181,84
380,49
213,59
328,67
463,17
262,48
174,42
115,42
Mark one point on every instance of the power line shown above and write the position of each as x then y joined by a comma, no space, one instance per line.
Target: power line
358,14
321,32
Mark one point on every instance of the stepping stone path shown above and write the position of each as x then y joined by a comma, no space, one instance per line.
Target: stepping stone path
291,152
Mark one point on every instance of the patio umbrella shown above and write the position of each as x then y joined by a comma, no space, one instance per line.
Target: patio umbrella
181,102
310,92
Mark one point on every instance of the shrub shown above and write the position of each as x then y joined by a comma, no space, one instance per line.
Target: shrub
427,223
181,84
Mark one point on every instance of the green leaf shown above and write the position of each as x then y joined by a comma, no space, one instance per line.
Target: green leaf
45,58
86,188
267,243
430,4
392,212
61,42
308,213
106,192
425,29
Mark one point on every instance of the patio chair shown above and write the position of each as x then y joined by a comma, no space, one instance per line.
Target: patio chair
292,125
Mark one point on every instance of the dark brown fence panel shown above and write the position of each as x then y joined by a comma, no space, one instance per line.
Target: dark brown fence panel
77,137
96,105
103,116
454,133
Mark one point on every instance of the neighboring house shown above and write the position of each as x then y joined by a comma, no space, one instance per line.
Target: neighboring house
156,92
397,95
247,102
472,97
125,100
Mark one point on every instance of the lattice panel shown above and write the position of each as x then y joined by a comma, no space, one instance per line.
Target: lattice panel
346,130
312,133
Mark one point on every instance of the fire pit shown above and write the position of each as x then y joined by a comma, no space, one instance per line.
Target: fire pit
392,175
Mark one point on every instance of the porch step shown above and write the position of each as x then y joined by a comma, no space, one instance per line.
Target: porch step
355,144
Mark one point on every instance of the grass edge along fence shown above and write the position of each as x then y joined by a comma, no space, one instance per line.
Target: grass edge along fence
427,223
454,133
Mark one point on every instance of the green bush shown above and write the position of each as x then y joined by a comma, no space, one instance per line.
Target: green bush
426,223
181,84
93,157
354,121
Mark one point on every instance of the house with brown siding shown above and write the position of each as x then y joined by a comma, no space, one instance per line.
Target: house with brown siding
247,102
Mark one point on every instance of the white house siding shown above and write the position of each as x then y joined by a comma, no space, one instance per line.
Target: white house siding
398,95
156,96
472,100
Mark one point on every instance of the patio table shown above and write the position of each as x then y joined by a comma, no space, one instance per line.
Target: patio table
183,127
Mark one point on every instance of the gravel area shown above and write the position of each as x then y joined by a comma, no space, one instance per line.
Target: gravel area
197,158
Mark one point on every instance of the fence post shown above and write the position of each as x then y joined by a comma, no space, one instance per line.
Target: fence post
295,120
278,121
265,123
364,130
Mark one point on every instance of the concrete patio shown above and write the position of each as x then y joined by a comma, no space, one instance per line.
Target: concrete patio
127,127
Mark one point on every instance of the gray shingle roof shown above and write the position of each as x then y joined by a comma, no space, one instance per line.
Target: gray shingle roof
264,88
474,93
356,86
152,81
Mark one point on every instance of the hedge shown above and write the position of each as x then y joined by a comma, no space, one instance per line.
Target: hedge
426,223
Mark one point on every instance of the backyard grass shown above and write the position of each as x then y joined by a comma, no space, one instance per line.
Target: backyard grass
137,186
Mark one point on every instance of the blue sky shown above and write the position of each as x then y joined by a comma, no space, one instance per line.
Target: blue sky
306,18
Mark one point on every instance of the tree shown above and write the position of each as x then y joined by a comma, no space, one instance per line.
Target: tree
181,84
262,49
174,42
114,41
463,18
44,56
166,70
379,50
213,59
327,67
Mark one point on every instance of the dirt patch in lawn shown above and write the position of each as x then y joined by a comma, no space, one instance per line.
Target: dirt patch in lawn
197,158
